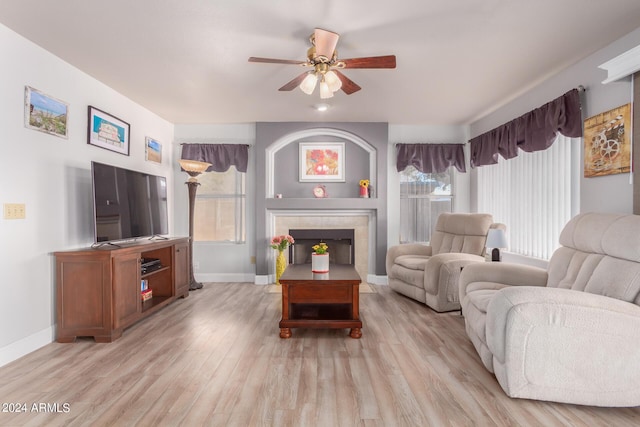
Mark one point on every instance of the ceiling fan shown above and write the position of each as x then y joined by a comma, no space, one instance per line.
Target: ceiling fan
322,57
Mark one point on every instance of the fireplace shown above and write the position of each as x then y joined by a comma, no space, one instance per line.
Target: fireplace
341,244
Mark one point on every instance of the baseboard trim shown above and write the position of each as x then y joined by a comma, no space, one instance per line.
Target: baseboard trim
263,279
26,345
377,280
225,277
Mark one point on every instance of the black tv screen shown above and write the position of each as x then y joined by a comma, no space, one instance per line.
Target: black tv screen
128,204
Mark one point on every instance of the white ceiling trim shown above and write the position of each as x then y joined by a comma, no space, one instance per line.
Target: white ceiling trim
622,65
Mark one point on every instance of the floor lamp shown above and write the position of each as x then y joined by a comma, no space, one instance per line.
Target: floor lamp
193,168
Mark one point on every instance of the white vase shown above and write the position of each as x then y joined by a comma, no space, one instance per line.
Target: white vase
320,263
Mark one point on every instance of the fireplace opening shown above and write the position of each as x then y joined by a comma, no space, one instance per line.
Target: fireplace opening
341,244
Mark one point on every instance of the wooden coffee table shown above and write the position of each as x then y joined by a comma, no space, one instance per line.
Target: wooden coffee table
328,300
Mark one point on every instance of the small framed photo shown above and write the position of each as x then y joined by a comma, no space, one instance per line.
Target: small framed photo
45,113
153,150
321,162
107,131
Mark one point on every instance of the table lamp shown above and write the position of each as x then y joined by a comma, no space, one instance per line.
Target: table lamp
496,239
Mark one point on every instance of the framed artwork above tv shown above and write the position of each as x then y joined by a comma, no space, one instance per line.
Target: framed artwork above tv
107,131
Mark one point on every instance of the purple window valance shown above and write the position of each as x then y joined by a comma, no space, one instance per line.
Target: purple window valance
221,156
430,158
533,131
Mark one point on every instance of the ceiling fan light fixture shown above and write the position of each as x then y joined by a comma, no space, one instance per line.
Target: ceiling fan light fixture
325,92
309,83
333,81
322,56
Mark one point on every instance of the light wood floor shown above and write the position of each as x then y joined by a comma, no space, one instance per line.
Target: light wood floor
215,358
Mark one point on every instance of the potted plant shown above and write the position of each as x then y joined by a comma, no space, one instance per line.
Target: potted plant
320,258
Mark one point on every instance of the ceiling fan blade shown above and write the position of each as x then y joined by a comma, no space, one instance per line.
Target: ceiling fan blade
348,85
294,83
388,61
276,61
326,42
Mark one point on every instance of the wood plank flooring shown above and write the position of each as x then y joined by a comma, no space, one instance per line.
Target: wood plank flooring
215,358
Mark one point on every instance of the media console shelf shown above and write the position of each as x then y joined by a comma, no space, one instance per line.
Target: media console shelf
98,289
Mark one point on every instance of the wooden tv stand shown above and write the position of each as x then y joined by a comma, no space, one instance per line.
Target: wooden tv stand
98,289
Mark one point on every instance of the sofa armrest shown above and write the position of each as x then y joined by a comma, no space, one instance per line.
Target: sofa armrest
570,345
442,272
501,274
406,249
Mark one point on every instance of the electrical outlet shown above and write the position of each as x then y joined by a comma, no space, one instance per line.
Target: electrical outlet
196,265
14,211
253,260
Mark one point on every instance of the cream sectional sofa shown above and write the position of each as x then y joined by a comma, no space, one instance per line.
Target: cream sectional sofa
570,333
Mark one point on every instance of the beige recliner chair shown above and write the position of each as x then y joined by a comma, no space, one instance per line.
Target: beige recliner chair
570,333
429,273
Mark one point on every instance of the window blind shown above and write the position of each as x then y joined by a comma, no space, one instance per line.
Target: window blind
532,194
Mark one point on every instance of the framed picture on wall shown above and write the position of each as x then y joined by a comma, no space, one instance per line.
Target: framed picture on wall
45,113
107,131
607,142
321,162
153,150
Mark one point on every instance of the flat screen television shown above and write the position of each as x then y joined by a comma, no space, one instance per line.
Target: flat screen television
127,204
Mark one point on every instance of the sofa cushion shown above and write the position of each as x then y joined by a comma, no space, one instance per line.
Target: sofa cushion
606,234
461,233
412,277
412,262
479,294
596,274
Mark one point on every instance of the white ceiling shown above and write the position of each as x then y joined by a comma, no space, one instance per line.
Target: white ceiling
186,60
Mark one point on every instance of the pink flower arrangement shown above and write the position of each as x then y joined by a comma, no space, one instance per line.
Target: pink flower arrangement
282,242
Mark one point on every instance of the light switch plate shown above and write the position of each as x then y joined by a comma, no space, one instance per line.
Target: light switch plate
14,211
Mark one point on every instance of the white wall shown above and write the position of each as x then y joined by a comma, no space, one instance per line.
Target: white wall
51,176
218,262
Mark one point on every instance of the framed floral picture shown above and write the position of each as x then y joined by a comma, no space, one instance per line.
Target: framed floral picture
108,131
321,162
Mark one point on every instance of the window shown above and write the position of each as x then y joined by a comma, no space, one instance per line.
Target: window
423,196
533,194
220,207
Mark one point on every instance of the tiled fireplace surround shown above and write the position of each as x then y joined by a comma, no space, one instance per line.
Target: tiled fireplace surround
360,221
367,217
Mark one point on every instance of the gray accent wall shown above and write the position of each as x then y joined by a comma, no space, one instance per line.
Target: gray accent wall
299,195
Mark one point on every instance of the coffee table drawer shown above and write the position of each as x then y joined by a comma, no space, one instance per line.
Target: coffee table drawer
320,294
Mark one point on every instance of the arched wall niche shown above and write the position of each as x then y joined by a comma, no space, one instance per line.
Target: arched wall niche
312,133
